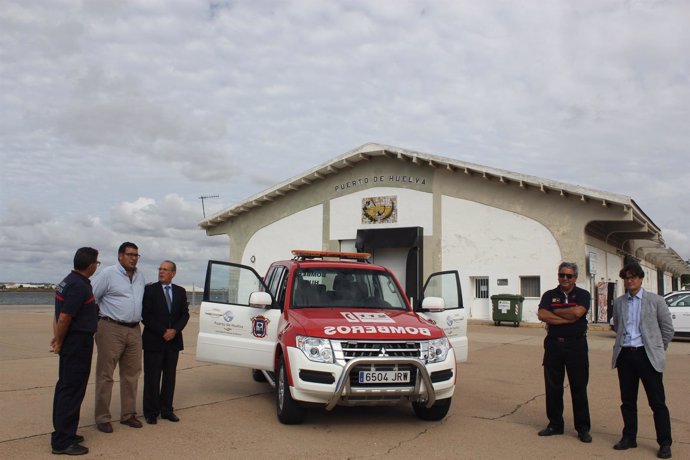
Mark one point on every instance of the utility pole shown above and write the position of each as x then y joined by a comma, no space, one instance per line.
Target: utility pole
202,198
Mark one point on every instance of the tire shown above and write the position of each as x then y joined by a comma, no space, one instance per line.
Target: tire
258,376
289,411
436,412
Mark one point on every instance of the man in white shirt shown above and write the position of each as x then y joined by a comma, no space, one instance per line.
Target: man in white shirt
643,331
119,290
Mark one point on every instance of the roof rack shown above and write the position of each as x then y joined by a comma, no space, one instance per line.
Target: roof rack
303,254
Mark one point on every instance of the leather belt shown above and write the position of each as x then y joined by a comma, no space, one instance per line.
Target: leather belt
121,323
633,348
567,339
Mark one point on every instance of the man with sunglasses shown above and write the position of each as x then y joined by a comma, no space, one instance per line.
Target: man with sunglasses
564,311
644,329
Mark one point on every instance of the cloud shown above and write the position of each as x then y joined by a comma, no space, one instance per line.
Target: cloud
117,116
42,250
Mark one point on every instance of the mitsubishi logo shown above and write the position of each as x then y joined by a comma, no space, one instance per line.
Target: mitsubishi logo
383,352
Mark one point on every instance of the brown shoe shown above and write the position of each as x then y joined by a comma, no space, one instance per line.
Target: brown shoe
105,427
132,421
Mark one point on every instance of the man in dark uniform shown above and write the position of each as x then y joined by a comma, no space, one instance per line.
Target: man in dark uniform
165,313
76,319
564,310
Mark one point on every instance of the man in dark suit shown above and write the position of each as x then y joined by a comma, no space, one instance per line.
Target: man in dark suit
165,313
644,329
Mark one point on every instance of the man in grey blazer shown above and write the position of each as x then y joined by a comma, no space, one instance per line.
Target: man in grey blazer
643,331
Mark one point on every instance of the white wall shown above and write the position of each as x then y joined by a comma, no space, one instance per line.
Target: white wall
480,240
415,209
302,230
649,283
668,282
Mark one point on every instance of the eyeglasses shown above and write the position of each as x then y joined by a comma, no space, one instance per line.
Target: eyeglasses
566,275
132,254
630,278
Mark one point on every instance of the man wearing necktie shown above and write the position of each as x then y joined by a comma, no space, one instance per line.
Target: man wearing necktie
165,313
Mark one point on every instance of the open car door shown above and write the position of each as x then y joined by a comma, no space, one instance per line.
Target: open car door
231,329
450,315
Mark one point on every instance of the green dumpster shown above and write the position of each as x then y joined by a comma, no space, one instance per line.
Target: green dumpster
507,307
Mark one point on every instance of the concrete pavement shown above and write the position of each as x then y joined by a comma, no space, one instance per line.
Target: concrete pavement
497,409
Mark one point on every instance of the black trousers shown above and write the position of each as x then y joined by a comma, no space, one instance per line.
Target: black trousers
73,376
633,365
159,392
560,356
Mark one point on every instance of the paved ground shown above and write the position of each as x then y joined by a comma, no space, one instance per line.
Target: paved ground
497,410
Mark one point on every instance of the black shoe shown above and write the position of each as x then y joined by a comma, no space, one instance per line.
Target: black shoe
585,436
151,420
550,431
664,452
171,416
625,444
78,439
74,449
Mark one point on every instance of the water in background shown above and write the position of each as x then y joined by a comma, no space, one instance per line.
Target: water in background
48,298
27,298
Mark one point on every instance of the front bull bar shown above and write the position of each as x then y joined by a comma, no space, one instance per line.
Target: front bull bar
343,387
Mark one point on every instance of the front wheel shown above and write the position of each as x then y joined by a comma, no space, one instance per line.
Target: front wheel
289,410
433,413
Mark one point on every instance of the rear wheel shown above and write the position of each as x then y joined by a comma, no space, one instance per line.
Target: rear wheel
289,410
436,412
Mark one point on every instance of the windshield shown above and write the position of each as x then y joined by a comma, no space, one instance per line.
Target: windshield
342,287
680,300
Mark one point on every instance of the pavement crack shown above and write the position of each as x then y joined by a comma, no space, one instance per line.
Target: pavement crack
517,408
212,403
404,442
115,380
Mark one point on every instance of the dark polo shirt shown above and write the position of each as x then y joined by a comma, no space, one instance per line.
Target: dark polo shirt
555,298
74,297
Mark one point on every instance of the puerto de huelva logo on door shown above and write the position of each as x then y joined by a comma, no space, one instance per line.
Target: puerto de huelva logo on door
380,210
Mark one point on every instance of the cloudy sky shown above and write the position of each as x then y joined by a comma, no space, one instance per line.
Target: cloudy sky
116,116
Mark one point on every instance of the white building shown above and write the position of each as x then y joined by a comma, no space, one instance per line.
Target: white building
417,213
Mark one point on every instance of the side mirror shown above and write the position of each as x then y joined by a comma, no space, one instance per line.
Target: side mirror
433,304
260,299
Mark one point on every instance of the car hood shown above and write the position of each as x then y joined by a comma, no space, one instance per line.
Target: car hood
364,324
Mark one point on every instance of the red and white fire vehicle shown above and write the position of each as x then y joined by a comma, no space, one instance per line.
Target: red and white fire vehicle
329,328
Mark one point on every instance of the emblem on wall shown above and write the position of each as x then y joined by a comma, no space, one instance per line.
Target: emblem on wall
259,326
380,210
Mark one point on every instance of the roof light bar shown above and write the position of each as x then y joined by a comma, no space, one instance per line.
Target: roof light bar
305,254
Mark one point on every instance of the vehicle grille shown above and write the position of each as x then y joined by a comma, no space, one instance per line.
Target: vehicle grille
345,350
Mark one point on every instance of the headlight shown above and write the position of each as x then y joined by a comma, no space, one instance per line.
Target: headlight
437,350
316,349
